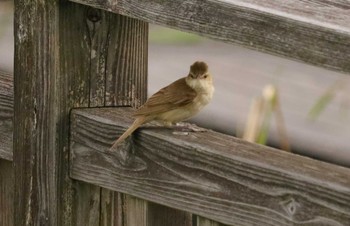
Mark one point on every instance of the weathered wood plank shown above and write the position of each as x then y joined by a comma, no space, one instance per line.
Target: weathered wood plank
6,96
201,221
94,55
86,205
123,64
6,193
6,115
36,114
159,215
210,174
107,48
54,70
75,19
315,32
135,211
122,210
111,208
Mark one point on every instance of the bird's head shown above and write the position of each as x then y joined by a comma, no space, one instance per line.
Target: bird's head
199,77
199,70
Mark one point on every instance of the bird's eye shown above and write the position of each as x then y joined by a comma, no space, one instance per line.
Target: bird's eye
205,76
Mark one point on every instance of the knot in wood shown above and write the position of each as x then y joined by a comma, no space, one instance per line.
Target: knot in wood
290,205
94,15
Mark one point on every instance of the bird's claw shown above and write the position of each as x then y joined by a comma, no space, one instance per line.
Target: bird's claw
188,127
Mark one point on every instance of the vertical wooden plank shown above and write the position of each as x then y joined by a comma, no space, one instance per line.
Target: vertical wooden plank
76,45
86,205
82,204
6,193
122,210
122,91
36,112
127,58
126,85
50,79
111,208
135,211
159,215
201,221
97,24
105,45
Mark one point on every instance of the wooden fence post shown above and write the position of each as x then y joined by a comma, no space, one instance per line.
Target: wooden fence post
6,192
67,55
160,215
37,113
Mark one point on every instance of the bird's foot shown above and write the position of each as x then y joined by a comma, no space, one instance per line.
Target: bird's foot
188,127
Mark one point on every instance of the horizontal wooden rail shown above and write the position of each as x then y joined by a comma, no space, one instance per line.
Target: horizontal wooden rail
210,174
6,115
316,32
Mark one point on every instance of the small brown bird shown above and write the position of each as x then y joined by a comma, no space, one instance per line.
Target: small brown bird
178,101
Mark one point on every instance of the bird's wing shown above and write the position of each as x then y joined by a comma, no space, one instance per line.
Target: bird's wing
175,95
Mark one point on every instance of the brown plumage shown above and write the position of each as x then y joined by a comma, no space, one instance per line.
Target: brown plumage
178,101
168,98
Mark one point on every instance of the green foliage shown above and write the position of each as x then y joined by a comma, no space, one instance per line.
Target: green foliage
321,104
326,99
162,35
265,127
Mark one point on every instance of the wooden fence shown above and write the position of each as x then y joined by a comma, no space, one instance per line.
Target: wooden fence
57,169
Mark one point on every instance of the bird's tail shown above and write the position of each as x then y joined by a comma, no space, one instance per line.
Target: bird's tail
136,124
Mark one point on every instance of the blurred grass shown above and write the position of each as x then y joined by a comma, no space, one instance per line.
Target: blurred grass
326,98
163,35
259,118
321,104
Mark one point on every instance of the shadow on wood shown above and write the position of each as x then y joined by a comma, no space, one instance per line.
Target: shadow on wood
6,193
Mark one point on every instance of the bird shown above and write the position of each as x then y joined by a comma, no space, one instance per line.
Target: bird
176,102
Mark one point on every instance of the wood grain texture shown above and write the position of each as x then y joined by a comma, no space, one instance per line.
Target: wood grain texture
201,221
101,44
84,201
159,215
111,208
6,115
118,76
135,211
59,76
86,206
210,174
119,51
6,193
314,32
36,113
